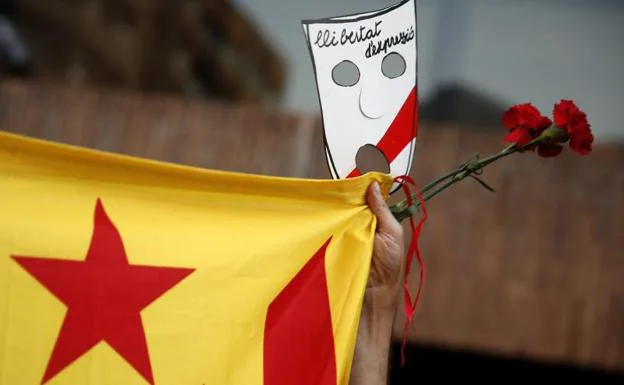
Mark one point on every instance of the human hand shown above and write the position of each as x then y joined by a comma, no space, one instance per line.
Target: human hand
388,248
370,362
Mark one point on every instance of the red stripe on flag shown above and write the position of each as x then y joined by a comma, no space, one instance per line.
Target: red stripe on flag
401,132
298,334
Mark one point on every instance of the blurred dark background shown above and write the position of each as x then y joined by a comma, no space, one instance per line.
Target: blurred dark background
524,283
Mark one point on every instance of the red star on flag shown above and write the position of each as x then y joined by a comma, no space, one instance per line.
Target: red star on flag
104,295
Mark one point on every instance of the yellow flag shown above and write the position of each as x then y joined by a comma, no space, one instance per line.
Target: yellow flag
117,270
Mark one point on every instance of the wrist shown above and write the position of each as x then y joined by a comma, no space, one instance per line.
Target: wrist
378,314
382,300
370,364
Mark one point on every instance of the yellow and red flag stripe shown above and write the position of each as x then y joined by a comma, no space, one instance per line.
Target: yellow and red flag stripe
118,270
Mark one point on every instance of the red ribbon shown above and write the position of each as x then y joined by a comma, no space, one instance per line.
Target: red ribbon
414,250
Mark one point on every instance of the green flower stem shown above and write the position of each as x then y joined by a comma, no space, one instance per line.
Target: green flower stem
402,210
403,205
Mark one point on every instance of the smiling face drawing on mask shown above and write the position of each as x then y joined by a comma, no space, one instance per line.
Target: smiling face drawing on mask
365,67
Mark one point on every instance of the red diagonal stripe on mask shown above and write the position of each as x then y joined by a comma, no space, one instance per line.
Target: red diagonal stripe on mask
401,132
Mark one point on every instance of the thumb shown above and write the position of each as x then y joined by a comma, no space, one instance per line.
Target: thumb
386,222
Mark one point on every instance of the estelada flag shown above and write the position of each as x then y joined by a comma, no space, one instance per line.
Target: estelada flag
119,270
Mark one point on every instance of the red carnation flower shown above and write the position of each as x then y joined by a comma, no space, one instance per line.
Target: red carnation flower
528,131
549,150
567,114
525,123
582,139
573,121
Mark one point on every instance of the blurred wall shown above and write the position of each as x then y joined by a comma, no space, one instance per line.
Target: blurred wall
513,51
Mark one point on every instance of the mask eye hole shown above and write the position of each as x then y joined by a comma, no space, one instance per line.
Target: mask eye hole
346,74
393,65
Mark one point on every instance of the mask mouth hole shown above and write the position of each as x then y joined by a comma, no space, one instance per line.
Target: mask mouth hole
369,158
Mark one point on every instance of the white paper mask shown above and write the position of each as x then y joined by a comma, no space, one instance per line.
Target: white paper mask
365,67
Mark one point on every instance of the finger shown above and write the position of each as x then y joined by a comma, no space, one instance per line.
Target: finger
386,222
